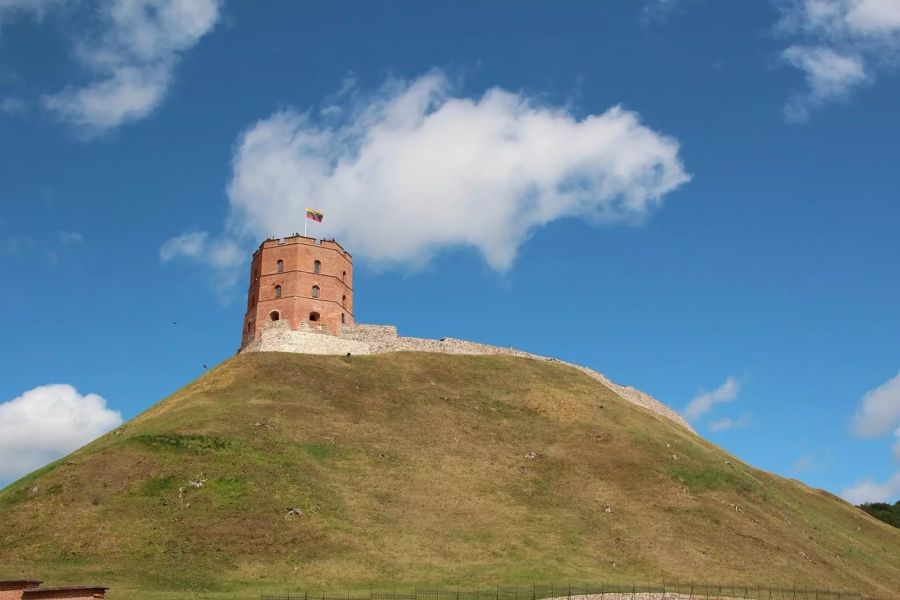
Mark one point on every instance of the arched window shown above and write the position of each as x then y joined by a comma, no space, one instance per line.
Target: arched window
313,316
317,266
274,315
278,291
280,264
315,291
343,275
343,300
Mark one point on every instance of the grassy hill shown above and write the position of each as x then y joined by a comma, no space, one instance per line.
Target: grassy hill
415,468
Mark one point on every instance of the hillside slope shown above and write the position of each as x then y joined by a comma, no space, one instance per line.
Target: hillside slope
414,467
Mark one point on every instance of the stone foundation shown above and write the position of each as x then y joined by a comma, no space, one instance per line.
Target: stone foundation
364,339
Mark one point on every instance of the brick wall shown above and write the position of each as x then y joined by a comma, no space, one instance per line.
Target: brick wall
12,590
290,264
75,593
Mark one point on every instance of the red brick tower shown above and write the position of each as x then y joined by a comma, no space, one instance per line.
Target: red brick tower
303,282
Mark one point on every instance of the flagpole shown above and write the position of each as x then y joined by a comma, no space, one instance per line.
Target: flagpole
305,223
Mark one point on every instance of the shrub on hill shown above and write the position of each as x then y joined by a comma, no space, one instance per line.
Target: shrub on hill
889,513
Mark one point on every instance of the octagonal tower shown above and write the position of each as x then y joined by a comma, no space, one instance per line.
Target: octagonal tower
299,282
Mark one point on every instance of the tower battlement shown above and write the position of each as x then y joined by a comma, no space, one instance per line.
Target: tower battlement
299,282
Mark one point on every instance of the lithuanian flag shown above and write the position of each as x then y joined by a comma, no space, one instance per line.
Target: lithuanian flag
313,214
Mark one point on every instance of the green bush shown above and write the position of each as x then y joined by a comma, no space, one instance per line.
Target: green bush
889,513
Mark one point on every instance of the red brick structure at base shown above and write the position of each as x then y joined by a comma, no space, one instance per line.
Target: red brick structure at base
298,280
12,590
30,590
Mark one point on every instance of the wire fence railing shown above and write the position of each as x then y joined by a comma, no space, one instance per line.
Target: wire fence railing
602,591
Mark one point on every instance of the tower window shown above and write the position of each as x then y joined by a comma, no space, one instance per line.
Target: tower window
343,300
343,320
315,291
278,291
280,266
274,315
313,316
343,275
317,266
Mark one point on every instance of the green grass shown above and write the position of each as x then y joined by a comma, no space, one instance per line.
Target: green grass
412,468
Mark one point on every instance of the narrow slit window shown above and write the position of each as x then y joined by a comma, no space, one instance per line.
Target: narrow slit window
278,291
315,291
317,266
280,266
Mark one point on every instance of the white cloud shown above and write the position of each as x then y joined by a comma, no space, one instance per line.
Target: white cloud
870,491
879,410
842,44
414,169
132,58
70,238
726,423
11,105
220,253
704,401
830,76
46,423
10,9
814,462
658,10
191,245
895,449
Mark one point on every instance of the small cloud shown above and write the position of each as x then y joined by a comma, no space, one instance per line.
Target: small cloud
659,11
223,255
879,410
70,238
840,45
895,449
12,106
12,245
704,401
870,491
830,77
804,463
46,423
814,462
11,9
189,245
133,58
726,423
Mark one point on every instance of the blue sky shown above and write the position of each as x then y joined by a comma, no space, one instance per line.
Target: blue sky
697,198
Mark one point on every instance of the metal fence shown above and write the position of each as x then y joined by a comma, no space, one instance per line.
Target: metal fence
605,591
